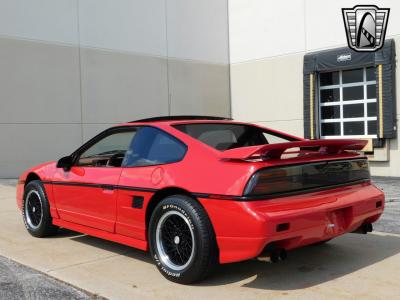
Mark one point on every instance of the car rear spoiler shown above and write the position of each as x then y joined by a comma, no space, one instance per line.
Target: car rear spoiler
272,151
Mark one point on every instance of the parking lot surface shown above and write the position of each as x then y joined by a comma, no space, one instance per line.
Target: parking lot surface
390,220
20,282
351,266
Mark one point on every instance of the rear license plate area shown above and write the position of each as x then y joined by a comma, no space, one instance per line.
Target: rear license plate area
338,220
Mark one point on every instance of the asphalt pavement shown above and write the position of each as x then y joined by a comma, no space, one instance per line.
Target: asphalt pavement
20,282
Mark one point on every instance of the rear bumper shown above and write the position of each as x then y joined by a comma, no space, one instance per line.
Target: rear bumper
244,229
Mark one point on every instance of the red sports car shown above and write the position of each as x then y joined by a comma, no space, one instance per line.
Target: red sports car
198,191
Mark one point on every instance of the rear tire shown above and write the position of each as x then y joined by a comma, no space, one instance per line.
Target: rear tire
182,240
36,211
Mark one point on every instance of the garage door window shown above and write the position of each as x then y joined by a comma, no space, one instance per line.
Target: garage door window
347,103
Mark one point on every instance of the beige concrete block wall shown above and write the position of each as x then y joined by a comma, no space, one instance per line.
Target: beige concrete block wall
39,82
69,69
198,88
24,145
39,103
269,91
120,87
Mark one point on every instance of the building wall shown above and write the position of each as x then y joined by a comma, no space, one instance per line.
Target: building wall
70,68
268,40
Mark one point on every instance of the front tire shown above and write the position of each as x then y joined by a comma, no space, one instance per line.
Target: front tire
182,240
36,211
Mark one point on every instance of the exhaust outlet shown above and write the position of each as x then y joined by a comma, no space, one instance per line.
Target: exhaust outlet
364,229
283,254
276,256
272,253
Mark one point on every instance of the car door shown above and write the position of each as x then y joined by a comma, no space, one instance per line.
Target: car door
86,194
144,168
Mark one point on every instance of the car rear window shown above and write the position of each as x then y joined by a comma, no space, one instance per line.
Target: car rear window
228,136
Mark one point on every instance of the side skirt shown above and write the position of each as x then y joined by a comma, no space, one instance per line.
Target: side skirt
121,239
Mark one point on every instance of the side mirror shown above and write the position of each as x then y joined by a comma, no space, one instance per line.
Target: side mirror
65,162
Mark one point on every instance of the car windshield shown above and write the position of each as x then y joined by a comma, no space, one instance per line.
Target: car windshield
222,136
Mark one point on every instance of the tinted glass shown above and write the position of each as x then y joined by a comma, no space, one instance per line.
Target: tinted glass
371,108
371,74
152,146
330,112
353,128
109,151
371,91
229,136
309,176
372,127
330,95
330,129
350,76
353,93
329,78
353,110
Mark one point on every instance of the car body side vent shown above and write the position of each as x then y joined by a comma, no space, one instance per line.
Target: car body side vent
137,201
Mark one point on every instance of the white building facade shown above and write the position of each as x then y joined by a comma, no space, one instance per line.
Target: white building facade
70,68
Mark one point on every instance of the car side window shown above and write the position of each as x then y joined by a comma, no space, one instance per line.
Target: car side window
274,139
152,146
108,152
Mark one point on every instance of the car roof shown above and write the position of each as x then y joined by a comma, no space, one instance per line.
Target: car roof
169,120
179,118
196,119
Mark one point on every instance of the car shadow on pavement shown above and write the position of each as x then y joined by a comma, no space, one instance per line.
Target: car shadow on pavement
116,248
311,265
65,233
304,267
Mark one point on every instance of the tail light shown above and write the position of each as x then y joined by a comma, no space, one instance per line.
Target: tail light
276,180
